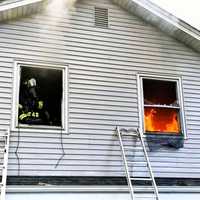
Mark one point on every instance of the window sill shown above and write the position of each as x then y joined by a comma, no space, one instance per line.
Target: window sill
166,134
39,128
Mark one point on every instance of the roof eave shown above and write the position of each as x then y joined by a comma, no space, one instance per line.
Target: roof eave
141,8
164,21
20,9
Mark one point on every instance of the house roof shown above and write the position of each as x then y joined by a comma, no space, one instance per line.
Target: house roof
9,4
144,9
10,9
4,2
165,21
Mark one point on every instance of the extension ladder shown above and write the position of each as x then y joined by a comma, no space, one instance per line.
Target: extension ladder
4,148
130,180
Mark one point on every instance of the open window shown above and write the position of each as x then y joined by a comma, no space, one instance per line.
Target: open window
161,105
40,96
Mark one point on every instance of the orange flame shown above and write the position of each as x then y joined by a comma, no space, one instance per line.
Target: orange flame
161,120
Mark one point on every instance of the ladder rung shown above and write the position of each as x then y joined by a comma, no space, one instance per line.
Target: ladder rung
3,136
1,166
136,162
145,197
141,179
129,134
2,141
2,150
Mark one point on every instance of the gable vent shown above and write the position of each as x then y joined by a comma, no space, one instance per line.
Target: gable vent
101,17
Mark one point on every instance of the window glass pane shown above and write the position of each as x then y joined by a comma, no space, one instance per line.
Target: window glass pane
40,96
159,92
161,120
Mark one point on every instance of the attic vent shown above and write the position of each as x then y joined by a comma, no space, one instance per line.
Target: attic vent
101,17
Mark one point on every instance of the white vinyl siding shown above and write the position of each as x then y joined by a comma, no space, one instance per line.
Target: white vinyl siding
102,91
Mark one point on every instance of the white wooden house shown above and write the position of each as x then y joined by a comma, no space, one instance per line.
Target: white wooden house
98,65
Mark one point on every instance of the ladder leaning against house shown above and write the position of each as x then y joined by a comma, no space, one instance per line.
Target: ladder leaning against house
4,148
130,180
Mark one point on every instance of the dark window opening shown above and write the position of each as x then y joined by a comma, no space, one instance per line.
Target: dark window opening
40,96
161,107
159,92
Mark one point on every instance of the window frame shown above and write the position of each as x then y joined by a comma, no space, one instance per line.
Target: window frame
15,102
179,91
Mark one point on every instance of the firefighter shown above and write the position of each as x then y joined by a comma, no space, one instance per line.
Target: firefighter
31,107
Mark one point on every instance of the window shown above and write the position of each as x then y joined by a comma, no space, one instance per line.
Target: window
40,96
161,105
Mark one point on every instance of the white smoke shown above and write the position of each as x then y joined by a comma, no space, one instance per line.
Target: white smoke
61,6
70,3
56,11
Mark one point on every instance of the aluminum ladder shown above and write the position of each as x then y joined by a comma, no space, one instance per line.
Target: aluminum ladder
130,180
4,148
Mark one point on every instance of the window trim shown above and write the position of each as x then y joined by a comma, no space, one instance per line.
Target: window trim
178,81
15,101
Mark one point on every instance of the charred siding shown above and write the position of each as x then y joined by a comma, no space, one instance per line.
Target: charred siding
103,64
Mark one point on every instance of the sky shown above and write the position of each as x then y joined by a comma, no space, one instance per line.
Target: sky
187,10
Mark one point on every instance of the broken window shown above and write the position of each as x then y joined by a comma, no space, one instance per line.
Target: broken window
162,106
40,97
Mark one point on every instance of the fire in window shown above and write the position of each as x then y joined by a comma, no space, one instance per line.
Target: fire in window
161,107
40,96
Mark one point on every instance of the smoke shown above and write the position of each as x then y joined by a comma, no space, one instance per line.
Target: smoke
70,3
59,7
56,12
